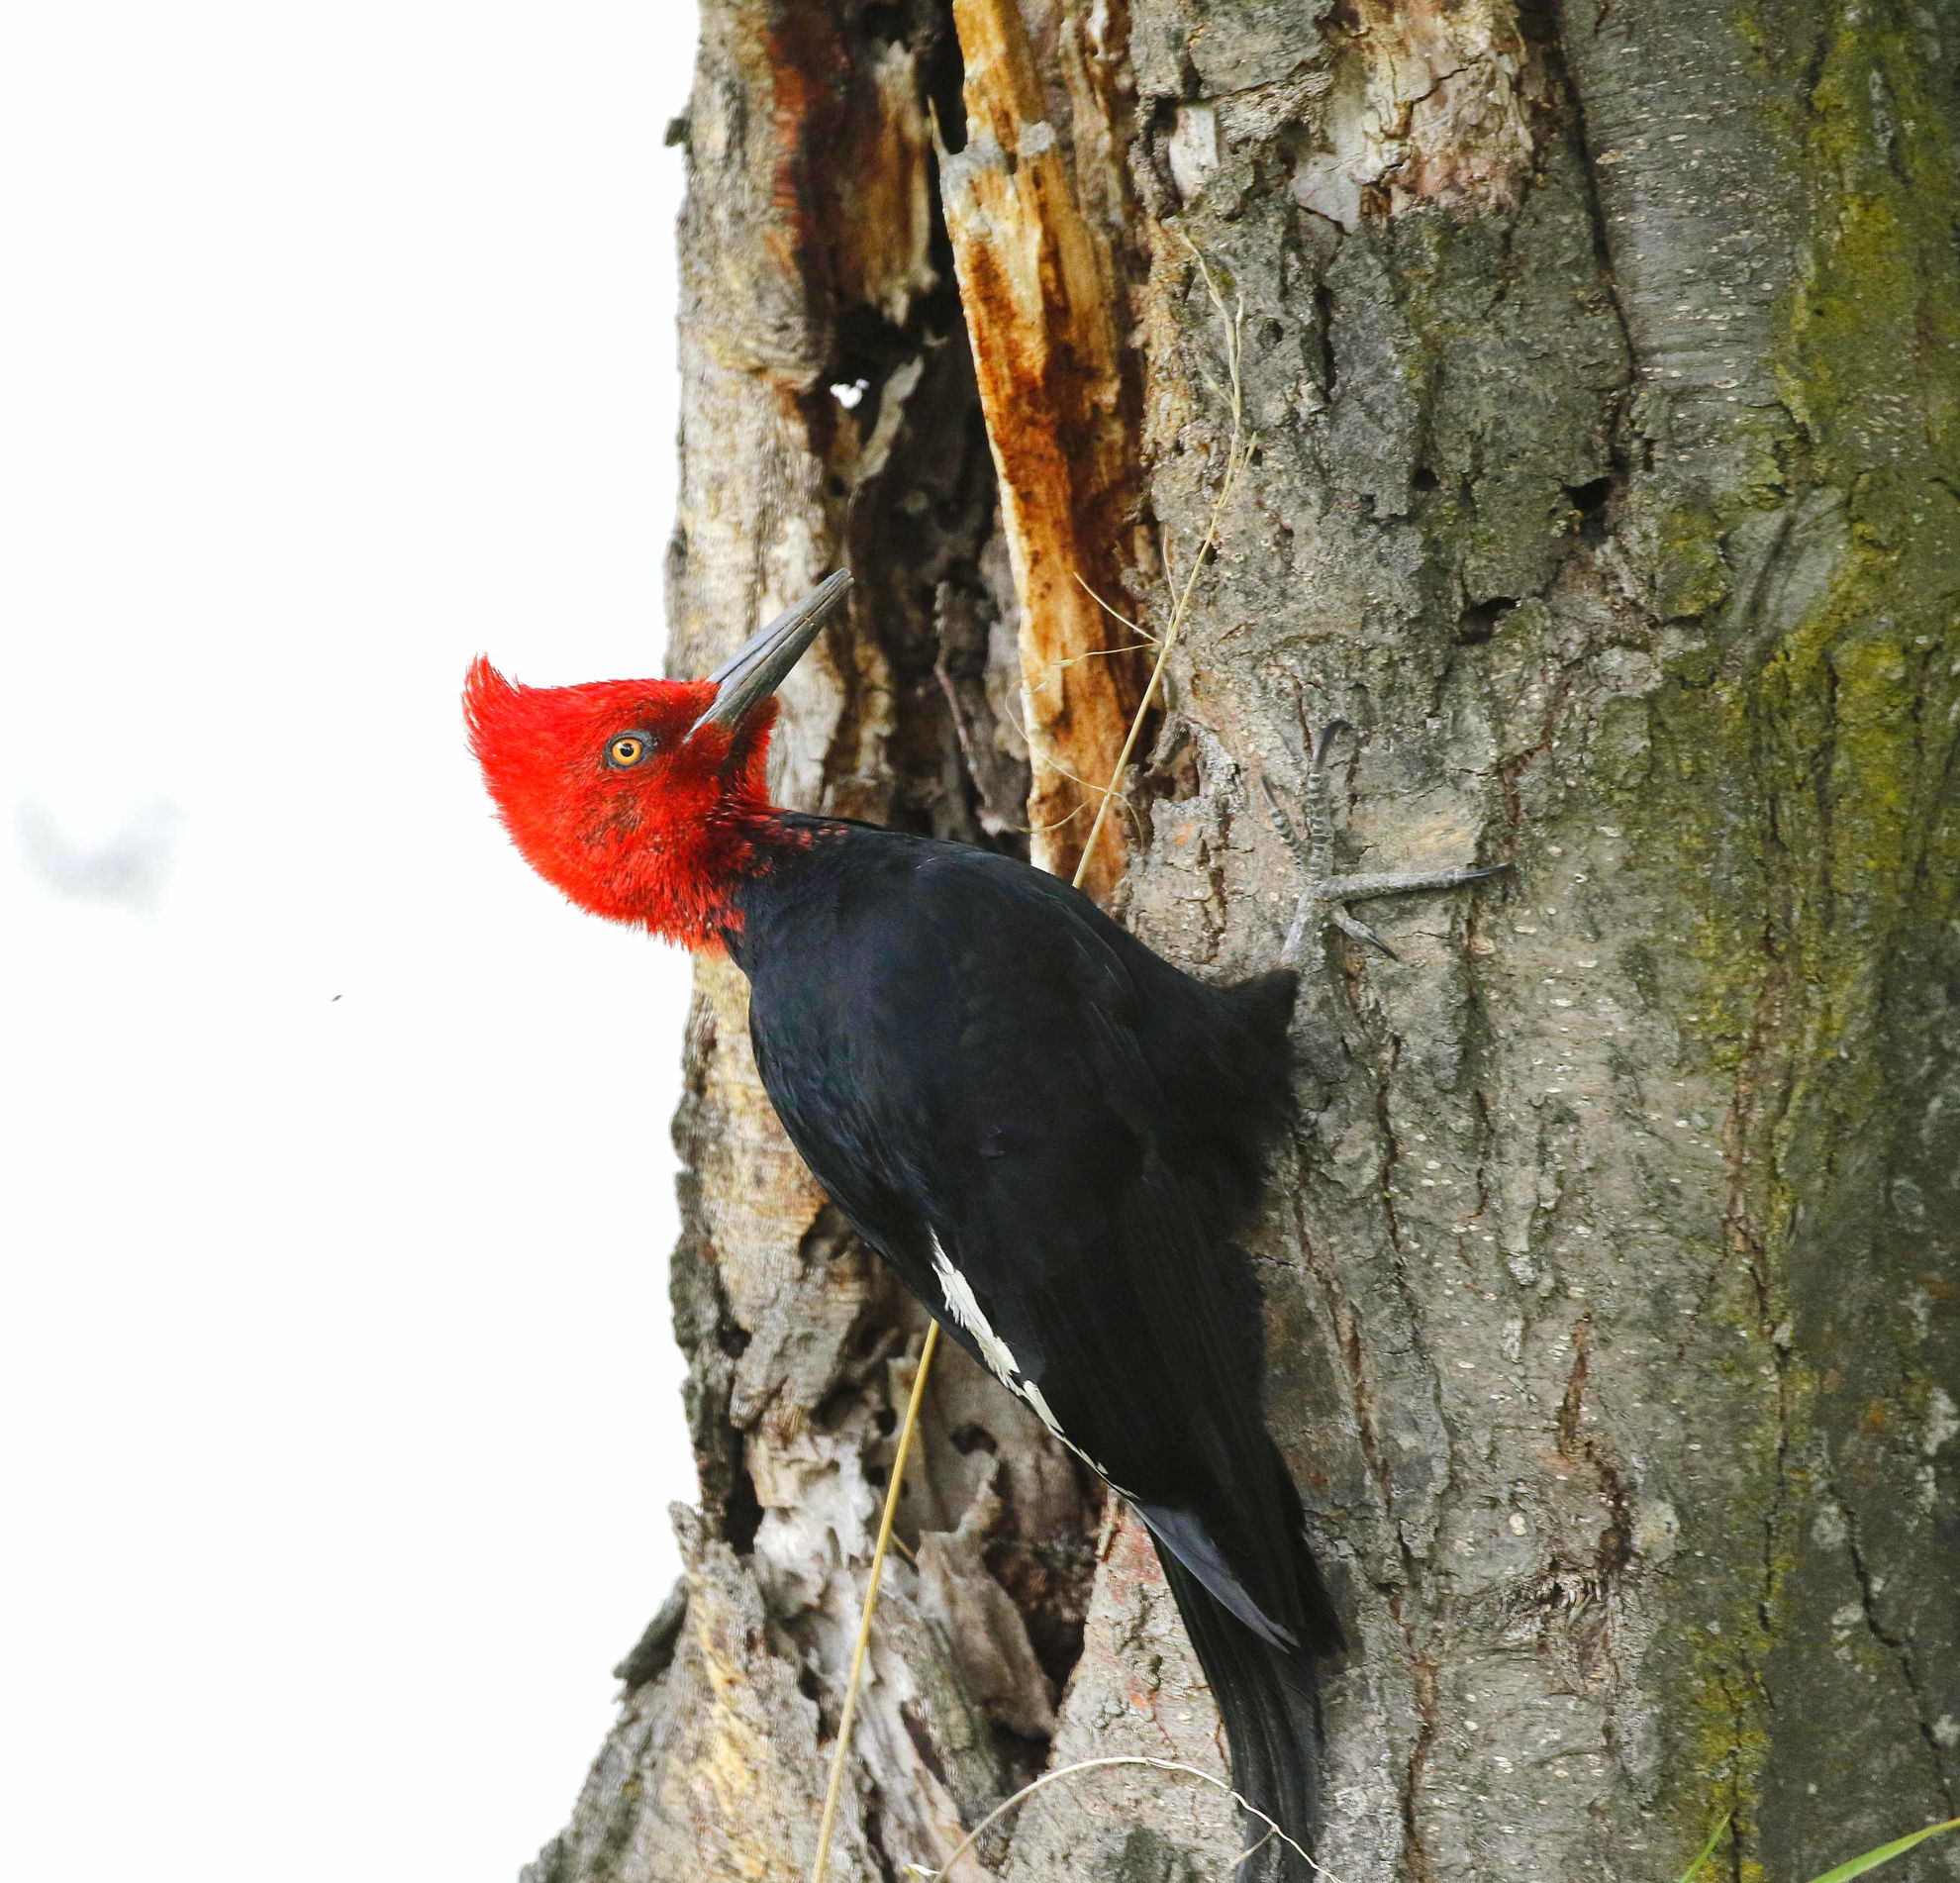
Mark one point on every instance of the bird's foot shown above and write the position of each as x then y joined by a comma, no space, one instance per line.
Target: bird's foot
1327,893
1326,902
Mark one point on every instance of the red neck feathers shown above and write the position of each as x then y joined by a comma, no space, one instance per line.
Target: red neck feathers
612,797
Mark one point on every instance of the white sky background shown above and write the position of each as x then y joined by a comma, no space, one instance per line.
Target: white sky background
338,1398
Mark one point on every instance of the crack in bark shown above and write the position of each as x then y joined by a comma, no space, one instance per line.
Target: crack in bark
1348,1343
1552,44
1423,1673
1391,1153
1614,1548
1900,1651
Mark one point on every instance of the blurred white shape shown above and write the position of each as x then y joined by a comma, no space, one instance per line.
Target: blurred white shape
128,868
337,347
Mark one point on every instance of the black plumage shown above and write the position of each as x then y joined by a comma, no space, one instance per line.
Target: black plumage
1055,1136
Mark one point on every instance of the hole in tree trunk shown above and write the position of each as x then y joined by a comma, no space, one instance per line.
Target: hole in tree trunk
1479,622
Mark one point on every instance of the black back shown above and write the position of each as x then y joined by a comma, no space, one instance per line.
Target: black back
990,1076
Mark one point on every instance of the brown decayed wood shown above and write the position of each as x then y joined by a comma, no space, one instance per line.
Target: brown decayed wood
1044,307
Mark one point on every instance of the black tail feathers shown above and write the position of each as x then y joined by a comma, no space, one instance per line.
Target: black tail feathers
1267,1697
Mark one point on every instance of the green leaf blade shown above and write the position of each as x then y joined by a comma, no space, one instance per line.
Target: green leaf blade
1696,1868
1883,1855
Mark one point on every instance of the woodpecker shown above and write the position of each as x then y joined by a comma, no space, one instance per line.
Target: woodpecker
1049,1132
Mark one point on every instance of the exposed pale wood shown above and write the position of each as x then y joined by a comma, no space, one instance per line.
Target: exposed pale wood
1044,310
1426,105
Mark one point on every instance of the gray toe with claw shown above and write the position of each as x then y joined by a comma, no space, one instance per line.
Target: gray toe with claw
1327,893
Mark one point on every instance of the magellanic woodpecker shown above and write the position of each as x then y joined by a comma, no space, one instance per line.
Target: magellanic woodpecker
1050,1133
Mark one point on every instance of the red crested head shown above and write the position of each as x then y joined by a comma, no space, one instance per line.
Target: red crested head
643,800
610,800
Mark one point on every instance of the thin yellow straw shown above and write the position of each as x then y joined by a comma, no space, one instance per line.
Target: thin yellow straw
911,1418
842,1752
1236,454
871,1602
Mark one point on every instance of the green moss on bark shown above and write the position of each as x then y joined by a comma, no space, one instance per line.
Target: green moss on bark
1801,804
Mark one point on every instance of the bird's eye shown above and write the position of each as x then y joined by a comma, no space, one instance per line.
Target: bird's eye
626,750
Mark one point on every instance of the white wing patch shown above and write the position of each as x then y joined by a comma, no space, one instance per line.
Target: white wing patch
961,1305
1038,1400
965,1310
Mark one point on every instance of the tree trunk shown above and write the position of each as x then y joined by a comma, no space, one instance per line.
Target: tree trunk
1605,366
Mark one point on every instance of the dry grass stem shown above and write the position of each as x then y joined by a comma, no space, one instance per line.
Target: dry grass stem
892,1490
1027,1791
1095,653
1075,778
1238,451
1113,613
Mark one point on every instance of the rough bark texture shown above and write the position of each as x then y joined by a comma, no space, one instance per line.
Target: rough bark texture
1605,361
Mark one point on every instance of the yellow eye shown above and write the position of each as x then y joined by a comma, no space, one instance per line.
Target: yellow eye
625,752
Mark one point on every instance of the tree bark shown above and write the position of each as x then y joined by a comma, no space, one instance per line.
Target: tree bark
1605,366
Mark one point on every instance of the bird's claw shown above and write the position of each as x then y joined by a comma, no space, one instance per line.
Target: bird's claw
1360,930
1326,894
1322,747
1284,825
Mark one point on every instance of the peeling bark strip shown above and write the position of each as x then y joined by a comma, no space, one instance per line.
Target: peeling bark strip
1428,104
1043,309
1606,369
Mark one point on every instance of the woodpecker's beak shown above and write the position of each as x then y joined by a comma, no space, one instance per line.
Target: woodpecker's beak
743,682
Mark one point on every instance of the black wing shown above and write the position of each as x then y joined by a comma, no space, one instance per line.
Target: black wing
1053,1135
